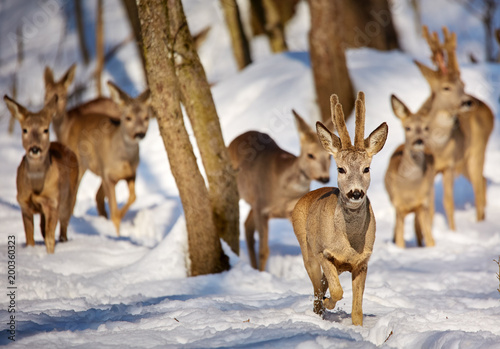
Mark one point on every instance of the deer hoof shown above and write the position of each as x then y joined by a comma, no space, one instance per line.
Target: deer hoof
329,303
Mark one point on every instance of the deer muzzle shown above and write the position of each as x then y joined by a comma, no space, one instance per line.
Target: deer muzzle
324,180
34,150
140,135
355,195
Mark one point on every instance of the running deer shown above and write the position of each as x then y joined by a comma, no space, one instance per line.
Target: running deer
47,178
460,124
60,88
271,180
108,148
335,227
409,178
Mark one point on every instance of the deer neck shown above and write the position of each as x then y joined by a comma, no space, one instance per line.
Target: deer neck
124,146
412,164
296,178
355,220
36,171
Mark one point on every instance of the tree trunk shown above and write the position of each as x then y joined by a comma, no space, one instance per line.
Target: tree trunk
197,99
133,17
205,251
328,57
99,47
268,17
81,31
241,48
369,23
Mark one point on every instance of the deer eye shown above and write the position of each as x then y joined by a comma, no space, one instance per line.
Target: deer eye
310,156
341,170
128,118
366,170
426,128
25,130
446,88
407,129
46,130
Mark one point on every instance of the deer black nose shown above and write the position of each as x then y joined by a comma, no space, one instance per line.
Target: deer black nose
418,142
324,180
140,135
356,194
35,150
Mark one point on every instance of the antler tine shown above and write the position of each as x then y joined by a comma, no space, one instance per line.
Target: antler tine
345,139
334,99
433,42
450,45
359,136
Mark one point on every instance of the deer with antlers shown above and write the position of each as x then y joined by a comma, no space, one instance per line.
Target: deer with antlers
460,124
409,178
271,180
335,227
47,178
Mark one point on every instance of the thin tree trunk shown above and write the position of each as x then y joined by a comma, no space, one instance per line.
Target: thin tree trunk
241,48
81,31
99,47
205,251
197,99
328,57
133,17
274,27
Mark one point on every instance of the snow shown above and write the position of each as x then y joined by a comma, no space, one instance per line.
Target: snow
100,290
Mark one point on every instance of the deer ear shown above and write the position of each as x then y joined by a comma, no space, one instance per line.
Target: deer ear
429,74
399,108
302,126
376,140
48,76
328,140
17,110
69,76
145,97
117,95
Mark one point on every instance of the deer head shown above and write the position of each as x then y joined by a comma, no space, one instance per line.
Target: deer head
135,113
35,127
416,126
314,162
353,160
58,88
447,89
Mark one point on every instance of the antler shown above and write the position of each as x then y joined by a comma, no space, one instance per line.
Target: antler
339,122
359,137
438,50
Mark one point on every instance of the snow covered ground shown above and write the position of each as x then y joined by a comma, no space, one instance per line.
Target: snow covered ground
103,291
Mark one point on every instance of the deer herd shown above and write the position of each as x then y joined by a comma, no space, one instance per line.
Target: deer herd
335,227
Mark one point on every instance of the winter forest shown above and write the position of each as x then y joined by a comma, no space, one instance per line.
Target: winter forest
250,173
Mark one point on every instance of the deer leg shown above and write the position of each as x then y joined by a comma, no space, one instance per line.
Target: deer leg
42,224
448,200
250,238
109,190
99,198
475,166
131,197
332,277
263,229
399,229
28,228
418,230
318,280
358,288
51,216
422,215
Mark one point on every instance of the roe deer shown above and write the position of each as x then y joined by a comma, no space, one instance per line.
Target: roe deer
335,227
47,178
460,124
100,105
409,178
58,88
271,180
108,148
